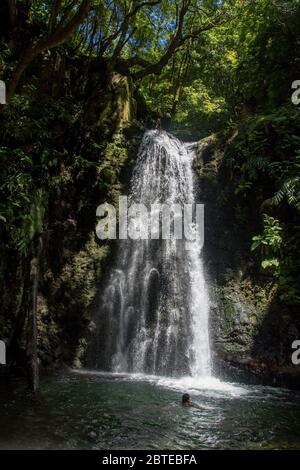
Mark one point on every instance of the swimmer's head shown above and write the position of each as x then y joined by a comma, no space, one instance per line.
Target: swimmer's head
185,398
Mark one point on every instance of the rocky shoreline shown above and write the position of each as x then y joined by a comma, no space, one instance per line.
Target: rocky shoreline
257,372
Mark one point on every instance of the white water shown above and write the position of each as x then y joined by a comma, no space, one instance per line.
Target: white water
153,316
211,386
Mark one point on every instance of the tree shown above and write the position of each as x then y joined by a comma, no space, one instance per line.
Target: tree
58,33
139,38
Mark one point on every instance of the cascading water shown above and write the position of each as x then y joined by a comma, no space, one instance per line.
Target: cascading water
153,315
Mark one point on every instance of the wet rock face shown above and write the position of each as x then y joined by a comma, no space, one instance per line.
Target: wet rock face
251,329
238,307
254,371
233,324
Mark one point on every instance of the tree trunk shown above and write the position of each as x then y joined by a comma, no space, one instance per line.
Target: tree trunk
12,11
181,79
32,350
21,315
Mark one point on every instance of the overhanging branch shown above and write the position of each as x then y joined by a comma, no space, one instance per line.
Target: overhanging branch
61,35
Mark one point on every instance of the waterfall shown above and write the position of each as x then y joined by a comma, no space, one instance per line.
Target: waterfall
153,314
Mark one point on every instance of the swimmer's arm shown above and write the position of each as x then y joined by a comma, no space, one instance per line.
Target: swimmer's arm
196,405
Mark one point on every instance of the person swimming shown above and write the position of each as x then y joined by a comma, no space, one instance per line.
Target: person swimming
186,401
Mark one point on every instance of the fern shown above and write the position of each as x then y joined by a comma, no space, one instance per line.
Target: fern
255,163
291,190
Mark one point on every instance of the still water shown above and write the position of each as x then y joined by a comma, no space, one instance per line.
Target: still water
92,410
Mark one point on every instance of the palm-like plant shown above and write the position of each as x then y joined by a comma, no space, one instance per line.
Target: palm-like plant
290,190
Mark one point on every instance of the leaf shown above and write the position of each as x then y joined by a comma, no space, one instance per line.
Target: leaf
268,263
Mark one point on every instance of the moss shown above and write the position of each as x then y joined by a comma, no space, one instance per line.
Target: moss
64,316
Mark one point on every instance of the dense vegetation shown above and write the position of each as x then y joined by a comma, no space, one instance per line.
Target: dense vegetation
255,64
81,78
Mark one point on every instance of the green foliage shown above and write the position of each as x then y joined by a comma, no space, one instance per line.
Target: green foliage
290,187
22,205
269,242
264,159
234,78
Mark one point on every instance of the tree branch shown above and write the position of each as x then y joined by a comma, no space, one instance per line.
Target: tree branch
12,11
54,13
66,12
176,41
60,36
179,39
133,10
